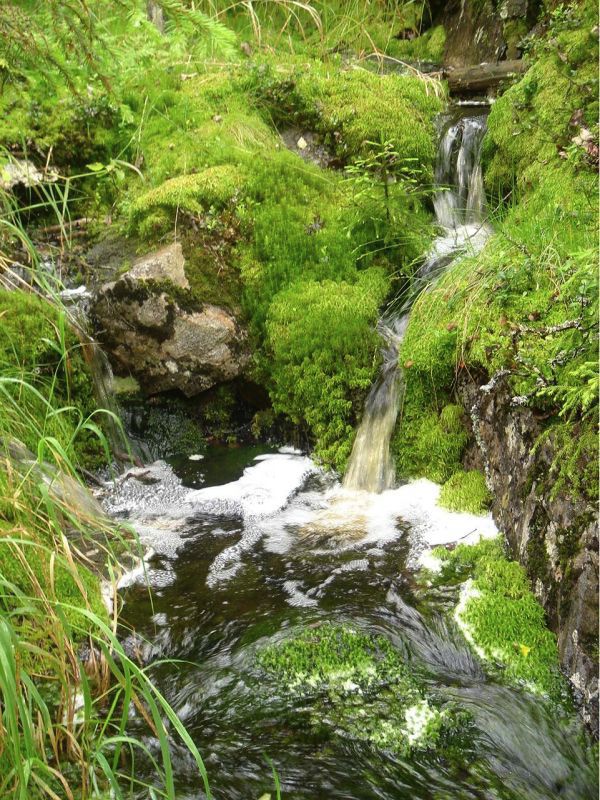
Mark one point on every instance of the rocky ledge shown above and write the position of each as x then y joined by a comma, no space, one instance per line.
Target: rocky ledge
155,329
554,534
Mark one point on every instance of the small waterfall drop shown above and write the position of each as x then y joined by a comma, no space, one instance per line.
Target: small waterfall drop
459,206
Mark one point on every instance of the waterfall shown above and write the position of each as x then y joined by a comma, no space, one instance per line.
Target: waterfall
459,207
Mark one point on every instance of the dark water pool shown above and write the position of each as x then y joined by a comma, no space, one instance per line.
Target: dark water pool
293,574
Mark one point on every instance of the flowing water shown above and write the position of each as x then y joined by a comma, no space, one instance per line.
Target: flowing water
281,546
459,204
246,547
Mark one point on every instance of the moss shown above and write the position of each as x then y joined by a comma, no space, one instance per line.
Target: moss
427,443
537,561
514,32
466,491
194,193
531,120
322,381
353,108
501,618
28,567
73,129
429,46
211,266
359,686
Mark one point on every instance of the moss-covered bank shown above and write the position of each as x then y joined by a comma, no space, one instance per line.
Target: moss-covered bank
500,617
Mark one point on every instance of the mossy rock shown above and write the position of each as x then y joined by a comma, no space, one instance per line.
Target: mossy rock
356,109
428,47
214,186
501,618
360,686
427,443
322,381
531,122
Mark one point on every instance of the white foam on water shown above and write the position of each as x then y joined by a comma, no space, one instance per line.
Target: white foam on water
348,519
431,525
159,507
272,508
296,597
264,488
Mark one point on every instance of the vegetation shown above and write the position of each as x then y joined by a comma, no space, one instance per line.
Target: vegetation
500,617
526,307
324,380
360,686
42,363
186,124
466,491
66,683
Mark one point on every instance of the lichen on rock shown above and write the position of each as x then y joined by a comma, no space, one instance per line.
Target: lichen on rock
158,331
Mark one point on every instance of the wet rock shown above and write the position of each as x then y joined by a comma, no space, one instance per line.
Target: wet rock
483,31
156,330
554,535
20,172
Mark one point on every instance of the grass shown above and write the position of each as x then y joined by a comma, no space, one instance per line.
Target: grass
50,607
67,688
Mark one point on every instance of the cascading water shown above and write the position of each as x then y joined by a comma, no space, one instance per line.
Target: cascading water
246,548
459,207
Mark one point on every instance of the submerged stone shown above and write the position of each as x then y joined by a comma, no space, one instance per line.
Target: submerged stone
360,686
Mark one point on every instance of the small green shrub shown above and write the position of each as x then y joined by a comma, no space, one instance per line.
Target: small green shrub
466,491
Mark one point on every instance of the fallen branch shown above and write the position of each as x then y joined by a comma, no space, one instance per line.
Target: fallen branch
60,227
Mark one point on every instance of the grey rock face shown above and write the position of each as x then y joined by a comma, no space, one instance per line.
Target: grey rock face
153,329
555,537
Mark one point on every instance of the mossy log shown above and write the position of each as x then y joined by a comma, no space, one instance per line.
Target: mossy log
481,77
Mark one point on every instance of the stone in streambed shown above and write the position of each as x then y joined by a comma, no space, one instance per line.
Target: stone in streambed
359,686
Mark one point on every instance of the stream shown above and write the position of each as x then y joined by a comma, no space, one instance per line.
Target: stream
241,564
247,546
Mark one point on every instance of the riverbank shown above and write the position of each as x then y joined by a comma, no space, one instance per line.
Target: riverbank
234,202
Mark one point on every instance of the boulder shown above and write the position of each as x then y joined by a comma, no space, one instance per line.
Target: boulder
154,328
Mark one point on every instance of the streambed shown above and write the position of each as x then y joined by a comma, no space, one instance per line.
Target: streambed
251,547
